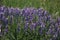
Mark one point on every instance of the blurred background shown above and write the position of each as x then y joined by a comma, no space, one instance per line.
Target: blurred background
53,6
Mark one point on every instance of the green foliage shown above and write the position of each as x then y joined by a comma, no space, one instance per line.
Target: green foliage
51,5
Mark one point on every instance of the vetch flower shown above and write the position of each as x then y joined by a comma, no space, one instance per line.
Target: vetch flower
6,21
1,15
33,26
2,9
11,19
26,26
45,13
6,29
18,27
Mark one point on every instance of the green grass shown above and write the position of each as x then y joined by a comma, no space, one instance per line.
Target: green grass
52,6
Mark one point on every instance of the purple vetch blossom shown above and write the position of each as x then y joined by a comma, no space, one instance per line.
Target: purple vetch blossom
45,19
3,18
26,25
45,13
6,29
1,15
34,12
2,9
40,12
17,11
49,17
31,17
58,29
40,19
6,21
52,21
40,31
42,25
11,11
6,12
50,30
58,21
26,12
33,26
55,35
26,18
11,19
56,25
22,12
18,27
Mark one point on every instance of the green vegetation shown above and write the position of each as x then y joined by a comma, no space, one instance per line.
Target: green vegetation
52,6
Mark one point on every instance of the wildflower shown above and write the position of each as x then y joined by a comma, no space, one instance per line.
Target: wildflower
5,29
33,26
18,27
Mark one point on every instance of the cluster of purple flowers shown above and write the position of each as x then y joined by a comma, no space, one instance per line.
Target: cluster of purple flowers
29,18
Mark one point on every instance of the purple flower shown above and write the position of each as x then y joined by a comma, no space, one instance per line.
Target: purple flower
26,26
40,12
56,25
40,31
11,19
31,17
33,26
5,20
1,15
45,19
49,17
26,19
17,11
45,13
18,27
52,21
58,21
6,12
11,11
2,9
26,12
34,12
55,35
6,29
42,25
40,19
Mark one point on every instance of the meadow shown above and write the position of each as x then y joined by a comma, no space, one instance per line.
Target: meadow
29,19
51,5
